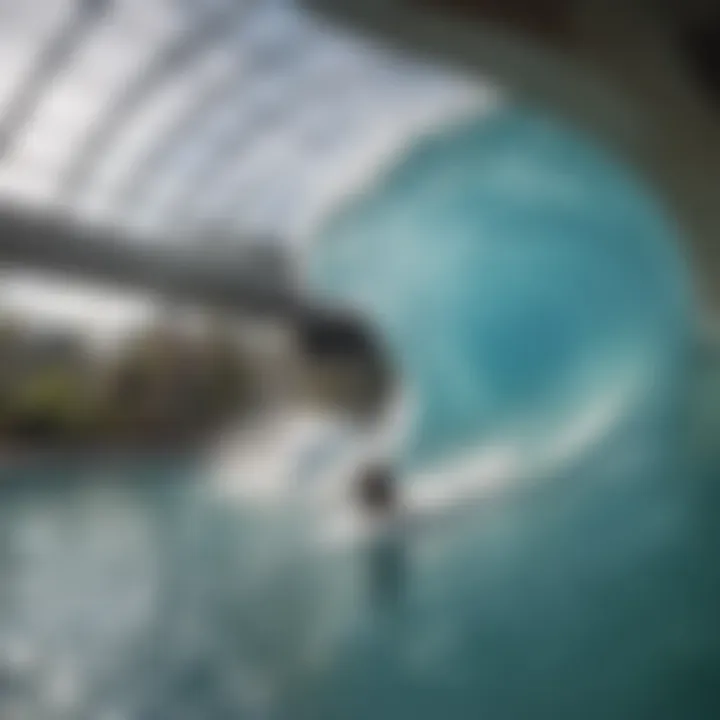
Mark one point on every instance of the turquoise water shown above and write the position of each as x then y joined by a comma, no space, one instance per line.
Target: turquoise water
512,268
137,593
143,592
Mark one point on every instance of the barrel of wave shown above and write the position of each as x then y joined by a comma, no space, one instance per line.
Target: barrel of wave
513,269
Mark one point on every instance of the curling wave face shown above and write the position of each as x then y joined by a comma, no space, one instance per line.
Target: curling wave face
514,271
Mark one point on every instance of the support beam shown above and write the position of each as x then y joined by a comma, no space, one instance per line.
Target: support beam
169,64
52,60
238,277
216,100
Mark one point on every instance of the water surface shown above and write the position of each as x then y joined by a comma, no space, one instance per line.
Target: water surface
518,277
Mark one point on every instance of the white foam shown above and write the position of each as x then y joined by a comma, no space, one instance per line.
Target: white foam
498,466
263,468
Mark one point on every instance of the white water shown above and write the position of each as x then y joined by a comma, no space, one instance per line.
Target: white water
265,466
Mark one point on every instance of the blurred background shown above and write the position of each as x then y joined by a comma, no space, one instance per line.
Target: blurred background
255,251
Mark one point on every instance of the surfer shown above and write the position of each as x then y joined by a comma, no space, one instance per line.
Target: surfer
376,491
347,371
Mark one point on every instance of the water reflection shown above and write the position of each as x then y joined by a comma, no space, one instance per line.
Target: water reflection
387,572
143,596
